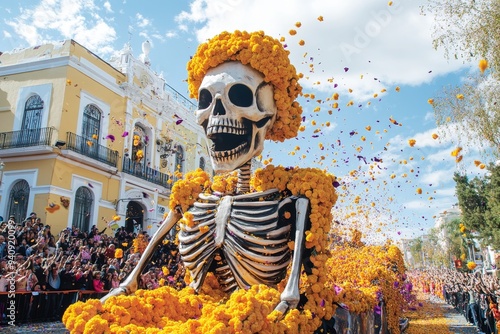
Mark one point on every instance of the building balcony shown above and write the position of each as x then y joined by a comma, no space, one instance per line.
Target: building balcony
26,142
90,148
152,175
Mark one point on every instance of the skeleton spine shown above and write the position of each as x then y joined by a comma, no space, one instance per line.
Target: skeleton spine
244,174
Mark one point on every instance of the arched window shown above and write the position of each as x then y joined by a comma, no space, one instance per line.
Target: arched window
91,126
179,159
82,213
140,142
18,200
32,120
202,163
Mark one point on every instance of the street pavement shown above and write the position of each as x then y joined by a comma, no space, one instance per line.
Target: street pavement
458,323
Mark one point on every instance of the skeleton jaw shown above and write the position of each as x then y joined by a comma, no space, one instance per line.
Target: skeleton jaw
233,142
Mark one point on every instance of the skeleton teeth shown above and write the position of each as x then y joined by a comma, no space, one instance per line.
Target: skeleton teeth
225,156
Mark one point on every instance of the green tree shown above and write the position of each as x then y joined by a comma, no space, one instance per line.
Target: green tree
454,239
479,201
492,214
470,30
467,29
416,252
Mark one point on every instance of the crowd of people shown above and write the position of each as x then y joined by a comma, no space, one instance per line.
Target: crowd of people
72,261
474,294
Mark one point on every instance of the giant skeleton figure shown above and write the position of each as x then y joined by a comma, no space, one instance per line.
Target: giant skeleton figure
246,242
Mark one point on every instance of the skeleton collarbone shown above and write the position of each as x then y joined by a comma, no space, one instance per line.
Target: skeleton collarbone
241,238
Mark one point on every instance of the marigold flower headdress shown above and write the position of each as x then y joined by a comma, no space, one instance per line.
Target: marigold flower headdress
264,54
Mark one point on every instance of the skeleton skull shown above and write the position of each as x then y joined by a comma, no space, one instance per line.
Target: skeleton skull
236,107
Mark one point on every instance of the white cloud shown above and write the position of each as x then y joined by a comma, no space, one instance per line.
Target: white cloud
107,6
64,19
142,21
392,43
429,116
437,177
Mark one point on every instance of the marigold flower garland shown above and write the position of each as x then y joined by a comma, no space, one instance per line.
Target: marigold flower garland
207,312
357,276
365,275
264,54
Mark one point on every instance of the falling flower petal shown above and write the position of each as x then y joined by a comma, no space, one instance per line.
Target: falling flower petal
483,65
125,134
110,137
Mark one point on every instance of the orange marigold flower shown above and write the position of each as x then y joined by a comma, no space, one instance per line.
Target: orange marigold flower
419,191
435,136
483,65
412,142
430,101
460,96
456,152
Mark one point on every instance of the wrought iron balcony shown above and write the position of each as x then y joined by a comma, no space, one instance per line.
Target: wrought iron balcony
146,173
91,149
26,138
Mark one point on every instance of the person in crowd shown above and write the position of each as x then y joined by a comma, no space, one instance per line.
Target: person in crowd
49,263
98,283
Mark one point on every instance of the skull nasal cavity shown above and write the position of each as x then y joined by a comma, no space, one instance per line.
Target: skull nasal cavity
219,108
240,95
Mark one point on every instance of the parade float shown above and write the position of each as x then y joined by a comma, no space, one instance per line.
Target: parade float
256,246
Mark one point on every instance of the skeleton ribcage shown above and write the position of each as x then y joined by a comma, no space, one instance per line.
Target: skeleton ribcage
241,238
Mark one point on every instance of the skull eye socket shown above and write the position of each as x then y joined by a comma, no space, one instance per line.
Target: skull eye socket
204,99
240,95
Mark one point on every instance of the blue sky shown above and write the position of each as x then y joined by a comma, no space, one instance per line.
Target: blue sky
360,48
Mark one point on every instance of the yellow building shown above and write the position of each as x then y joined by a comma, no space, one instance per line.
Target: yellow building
83,140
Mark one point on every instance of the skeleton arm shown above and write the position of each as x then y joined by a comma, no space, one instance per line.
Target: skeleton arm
131,283
290,296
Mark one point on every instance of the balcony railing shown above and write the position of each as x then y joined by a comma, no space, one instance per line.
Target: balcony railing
91,149
181,99
146,173
26,138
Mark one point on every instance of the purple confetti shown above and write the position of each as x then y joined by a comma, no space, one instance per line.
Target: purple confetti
346,69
